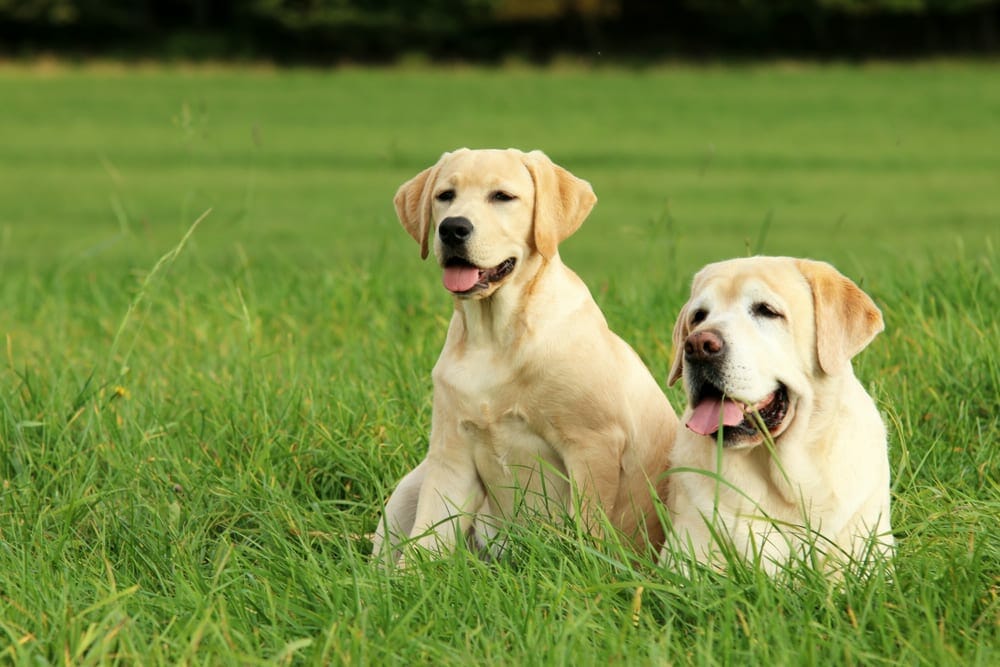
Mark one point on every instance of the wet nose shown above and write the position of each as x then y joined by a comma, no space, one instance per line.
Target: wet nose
703,346
455,231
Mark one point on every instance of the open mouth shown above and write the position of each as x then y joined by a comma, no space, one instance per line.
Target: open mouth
738,419
463,278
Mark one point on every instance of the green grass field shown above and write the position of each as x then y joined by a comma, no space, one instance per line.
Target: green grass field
198,428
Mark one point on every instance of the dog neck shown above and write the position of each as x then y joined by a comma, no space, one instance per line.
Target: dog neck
500,320
800,469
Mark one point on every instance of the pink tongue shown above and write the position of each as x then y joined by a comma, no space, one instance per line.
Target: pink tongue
460,278
705,418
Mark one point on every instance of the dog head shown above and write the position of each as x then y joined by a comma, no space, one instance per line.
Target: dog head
488,211
759,337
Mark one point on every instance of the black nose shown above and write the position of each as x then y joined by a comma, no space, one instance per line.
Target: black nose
703,346
455,231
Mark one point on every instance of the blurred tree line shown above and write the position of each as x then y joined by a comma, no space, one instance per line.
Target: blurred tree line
490,30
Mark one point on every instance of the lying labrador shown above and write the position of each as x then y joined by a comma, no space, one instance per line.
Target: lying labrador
537,404
765,344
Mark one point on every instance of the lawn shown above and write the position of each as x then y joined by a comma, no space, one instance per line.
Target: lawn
199,423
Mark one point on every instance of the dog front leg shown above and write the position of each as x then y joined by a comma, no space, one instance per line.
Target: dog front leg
449,498
398,517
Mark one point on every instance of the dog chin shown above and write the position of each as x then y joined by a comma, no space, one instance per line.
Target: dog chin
478,293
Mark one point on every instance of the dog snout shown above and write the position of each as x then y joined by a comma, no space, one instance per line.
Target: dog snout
455,231
704,346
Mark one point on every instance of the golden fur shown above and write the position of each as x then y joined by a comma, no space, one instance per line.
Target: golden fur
537,403
764,323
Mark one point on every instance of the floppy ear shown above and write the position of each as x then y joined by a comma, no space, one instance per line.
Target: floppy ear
562,201
846,318
413,204
681,330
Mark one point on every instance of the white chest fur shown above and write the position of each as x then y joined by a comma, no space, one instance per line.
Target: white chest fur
497,421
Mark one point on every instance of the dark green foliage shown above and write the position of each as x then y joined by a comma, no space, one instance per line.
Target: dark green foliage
491,30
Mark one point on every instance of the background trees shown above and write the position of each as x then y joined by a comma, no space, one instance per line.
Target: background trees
382,30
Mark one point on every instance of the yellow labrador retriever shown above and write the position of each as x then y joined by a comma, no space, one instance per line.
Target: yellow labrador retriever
765,343
537,403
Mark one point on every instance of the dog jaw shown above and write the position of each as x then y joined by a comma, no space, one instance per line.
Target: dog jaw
466,280
742,421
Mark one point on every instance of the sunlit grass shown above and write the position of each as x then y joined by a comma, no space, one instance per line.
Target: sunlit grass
193,455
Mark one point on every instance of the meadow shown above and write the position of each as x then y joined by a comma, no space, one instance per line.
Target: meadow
218,343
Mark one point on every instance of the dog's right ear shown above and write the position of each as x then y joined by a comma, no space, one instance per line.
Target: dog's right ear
413,204
846,318
681,331
562,201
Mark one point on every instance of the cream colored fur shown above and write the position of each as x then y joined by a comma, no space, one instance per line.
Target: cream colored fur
826,481
537,404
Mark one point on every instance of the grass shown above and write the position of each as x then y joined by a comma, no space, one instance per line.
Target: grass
197,437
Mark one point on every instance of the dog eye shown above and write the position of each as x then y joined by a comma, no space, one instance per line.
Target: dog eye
698,316
762,309
445,195
500,195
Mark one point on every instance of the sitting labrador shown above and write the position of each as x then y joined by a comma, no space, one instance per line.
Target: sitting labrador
537,404
783,448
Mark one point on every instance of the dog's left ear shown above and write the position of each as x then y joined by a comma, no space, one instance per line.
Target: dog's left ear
413,204
562,202
681,330
846,318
